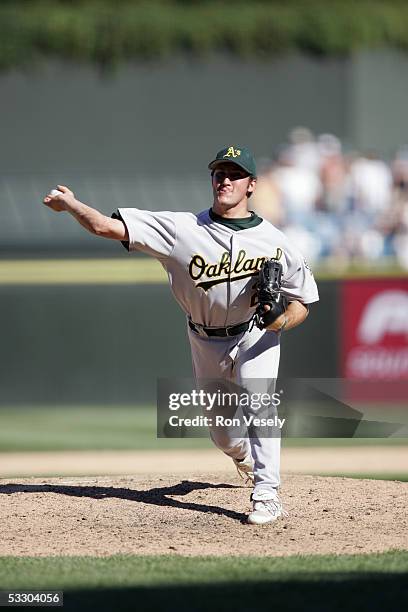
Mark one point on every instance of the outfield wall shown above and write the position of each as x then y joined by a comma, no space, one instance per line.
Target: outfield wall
143,135
107,344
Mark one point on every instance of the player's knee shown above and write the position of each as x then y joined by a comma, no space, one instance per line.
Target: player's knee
230,446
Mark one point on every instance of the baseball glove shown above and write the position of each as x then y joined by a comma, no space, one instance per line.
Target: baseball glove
269,294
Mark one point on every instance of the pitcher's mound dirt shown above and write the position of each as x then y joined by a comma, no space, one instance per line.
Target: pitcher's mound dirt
204,515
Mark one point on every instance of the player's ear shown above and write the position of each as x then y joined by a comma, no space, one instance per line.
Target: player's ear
251,185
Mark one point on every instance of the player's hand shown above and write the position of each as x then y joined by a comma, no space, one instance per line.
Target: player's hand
59,201
278,323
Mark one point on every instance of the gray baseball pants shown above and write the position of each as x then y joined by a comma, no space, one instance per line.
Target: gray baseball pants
250,359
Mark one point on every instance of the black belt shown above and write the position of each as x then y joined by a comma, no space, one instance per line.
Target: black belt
221,332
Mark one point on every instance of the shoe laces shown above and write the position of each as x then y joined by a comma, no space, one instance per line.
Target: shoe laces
245,475
272,506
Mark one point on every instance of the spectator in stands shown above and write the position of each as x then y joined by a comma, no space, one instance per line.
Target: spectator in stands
337,208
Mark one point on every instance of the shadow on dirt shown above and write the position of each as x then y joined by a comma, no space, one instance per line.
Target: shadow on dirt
159,496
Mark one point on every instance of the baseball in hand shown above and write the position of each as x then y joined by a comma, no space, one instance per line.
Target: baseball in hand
56,192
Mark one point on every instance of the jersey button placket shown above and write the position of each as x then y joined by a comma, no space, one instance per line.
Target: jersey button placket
229,289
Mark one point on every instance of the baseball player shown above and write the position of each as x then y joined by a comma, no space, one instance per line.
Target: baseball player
212,260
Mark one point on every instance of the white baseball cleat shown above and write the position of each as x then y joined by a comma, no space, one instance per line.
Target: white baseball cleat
245,469
267,507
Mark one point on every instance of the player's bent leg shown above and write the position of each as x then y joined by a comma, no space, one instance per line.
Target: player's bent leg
239,449
213,363
236,448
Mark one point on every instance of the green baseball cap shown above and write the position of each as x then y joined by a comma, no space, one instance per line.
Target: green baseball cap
240,156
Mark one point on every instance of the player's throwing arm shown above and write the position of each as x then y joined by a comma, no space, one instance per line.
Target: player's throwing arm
63,199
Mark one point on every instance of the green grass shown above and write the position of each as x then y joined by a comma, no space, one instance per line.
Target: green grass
54,428
84,428
81,271
401,476
330,582
144,270
358,269
343,442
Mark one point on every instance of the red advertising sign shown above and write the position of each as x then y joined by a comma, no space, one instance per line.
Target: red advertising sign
374,329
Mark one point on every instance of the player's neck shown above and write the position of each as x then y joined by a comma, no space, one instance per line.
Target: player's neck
240,211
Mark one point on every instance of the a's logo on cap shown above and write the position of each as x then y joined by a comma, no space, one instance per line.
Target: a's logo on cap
232,152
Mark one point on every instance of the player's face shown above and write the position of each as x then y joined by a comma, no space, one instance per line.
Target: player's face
231,185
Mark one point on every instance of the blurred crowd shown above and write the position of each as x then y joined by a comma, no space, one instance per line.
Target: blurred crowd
338,207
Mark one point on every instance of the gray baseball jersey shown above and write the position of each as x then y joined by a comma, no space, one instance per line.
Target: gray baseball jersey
212,264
